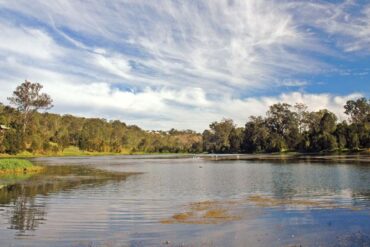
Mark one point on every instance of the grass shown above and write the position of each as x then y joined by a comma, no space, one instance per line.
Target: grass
8,164
14,166
74,151
70,151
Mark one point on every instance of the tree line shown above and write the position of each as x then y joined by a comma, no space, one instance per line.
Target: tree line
283,128
293,128
38,132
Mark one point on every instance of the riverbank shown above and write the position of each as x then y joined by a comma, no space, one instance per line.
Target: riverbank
346,155
75,151
360,157
17,166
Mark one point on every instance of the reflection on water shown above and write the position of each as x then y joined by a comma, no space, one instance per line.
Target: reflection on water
18,192
26,215
188,201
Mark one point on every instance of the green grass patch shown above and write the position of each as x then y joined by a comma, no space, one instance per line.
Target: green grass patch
12,166
7,164
75,151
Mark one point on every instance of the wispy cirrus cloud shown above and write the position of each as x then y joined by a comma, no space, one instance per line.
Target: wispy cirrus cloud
178,64
27,42
237,43
346,23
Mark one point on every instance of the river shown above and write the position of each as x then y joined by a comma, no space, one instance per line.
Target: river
190,201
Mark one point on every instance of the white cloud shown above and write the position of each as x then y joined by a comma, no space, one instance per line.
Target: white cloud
226,45
115,65
346,22
25,41
188,108
293,83
175,64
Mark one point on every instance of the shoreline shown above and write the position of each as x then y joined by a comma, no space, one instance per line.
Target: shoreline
88,155
307,157
18,166
17,171
360,156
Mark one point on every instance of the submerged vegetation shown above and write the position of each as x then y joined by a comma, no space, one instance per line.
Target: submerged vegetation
25,131
205,212
221,211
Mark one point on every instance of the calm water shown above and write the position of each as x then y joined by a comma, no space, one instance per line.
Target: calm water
88,202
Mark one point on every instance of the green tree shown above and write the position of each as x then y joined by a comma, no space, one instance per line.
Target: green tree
217,139
27,98
13,141
328,122
358,110
236,140
341,134
283,125
301,115
353,140
256,135
322,135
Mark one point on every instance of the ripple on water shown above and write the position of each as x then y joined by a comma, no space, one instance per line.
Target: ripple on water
225,203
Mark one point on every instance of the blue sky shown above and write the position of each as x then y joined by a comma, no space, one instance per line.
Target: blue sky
184,64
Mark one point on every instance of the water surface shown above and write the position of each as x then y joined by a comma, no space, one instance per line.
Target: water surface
132,201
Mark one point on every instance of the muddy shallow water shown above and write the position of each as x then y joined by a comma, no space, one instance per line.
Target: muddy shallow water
168,201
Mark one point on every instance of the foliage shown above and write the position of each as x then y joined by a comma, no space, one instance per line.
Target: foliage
256,135
222,137
283,128
51,133
45,133
27,98
11,164
287,128
358,110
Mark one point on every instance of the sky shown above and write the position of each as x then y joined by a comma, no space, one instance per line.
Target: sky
184,64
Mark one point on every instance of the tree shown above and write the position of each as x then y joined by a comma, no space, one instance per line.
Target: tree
236,140
328,122
13,142
353,141
283,125
208,143
327,142
358,110
217,139
256,135
301,111
321,132
27,98
341,134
